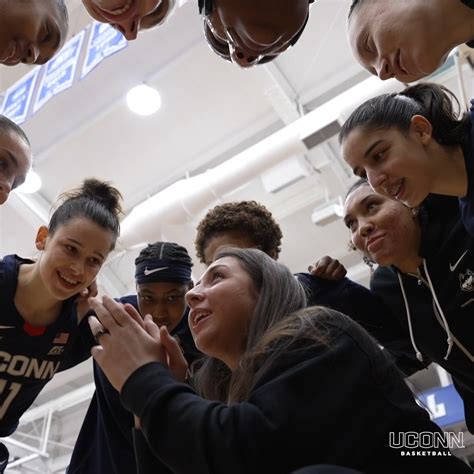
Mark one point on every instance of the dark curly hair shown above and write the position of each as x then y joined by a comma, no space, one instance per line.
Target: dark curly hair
245,217
165,250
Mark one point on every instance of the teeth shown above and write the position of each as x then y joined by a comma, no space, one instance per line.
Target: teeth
200,316
120,11
397,189
71,282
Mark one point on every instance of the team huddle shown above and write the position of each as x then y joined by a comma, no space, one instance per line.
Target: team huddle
251,368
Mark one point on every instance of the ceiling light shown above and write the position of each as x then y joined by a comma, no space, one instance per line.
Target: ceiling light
143,100
31,184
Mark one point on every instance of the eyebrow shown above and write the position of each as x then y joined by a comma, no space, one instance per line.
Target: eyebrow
211,269
82,246
359,204
356,170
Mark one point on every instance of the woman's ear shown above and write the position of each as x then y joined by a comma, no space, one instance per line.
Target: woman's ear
422,127
41,237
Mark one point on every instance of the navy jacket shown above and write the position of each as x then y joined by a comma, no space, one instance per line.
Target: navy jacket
28,362
105,442
448,251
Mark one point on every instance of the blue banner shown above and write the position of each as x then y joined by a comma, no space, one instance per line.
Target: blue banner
103,42
18,97
444,404
59,72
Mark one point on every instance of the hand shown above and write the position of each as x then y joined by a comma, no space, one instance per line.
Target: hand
125,345
174,355
328,268
82,303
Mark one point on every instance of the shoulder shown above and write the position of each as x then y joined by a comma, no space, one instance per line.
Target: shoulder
130,299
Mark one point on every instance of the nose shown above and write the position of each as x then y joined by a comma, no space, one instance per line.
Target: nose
242,58
160,311
129,29
376,180
384,70
5,188
77,267
32,53
366,227
193,296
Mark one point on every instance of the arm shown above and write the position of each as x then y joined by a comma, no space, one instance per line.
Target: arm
287,419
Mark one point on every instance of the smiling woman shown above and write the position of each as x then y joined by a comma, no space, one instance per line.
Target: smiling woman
253,32
31,31
414,143
15,157
129,16
403,39
273,392
42,302
425,259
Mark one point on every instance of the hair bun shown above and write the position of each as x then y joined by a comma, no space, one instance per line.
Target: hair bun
102,192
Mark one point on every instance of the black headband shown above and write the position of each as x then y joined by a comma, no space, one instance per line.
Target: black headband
156,270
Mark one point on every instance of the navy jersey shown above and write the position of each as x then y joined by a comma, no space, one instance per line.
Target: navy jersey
105,442
29,357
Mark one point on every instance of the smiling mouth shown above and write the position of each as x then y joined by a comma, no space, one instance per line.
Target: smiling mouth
68,281
200,316
14,54
118,11
396,190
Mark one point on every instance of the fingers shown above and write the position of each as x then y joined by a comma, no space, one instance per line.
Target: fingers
151,328
96,328
104,315
112,314
328,268
134,314
92,289
176,361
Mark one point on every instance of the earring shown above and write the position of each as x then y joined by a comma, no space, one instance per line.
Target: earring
369,263
415,211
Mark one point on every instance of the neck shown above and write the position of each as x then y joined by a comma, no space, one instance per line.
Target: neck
450,175
456,20
409,265
32,299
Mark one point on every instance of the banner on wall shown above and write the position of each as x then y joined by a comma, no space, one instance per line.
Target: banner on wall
103,42
444,404
17,98
59,72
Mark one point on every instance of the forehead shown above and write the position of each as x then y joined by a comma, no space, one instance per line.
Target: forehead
226,239
16,145
355,198
86,232
161,287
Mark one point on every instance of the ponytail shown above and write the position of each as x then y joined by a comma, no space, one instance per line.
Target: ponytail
434,102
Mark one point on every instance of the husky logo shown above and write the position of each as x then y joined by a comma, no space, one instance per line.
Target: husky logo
466,280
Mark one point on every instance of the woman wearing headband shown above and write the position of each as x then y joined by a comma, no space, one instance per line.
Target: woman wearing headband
105,442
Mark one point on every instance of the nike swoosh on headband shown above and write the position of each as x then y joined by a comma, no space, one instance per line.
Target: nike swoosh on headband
147,272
